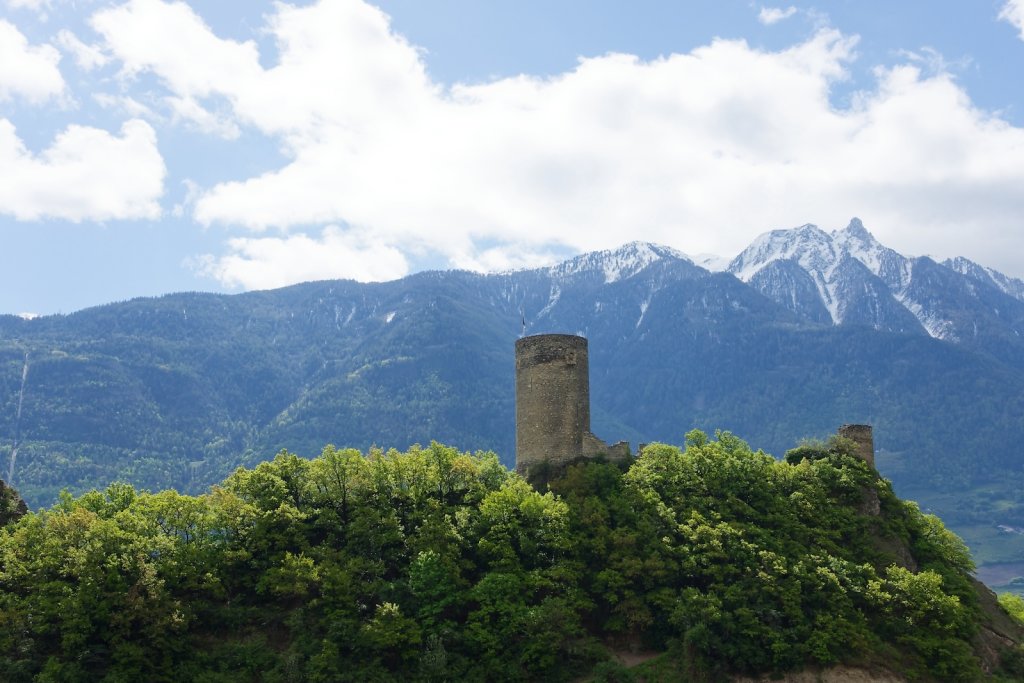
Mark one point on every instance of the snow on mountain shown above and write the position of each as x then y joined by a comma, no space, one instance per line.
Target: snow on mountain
933,324
892,267
842,277
712,262
814,250
785,282
618,264
1007,285
858,280
809,245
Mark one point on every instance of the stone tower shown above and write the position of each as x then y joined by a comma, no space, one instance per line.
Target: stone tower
863,437
552,400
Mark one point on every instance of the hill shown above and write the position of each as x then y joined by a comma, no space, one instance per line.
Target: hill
437,565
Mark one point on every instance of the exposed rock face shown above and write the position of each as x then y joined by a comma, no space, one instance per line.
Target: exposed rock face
897,551
998,632
870,504
12,507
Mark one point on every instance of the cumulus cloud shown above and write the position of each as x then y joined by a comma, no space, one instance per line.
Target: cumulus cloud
340,65
699,150
87,57
773,15
187,109
267,262
28,71
86,174
1013,12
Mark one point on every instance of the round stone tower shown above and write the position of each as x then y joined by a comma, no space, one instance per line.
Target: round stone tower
552,400
864,438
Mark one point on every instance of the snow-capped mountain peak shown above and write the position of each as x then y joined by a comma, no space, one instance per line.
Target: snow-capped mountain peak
861,244
844,266
808,244
855,230
848,276
892,267
813,250
840,277
618,264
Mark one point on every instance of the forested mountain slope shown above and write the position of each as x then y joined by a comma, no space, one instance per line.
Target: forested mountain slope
179,390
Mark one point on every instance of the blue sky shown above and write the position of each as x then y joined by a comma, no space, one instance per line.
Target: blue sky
150,146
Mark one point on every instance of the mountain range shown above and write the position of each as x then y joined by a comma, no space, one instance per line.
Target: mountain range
847,277
801,332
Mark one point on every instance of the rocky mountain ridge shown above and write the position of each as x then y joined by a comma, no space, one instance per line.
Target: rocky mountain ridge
848,277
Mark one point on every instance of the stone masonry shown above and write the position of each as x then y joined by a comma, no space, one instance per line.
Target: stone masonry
553,405
863,437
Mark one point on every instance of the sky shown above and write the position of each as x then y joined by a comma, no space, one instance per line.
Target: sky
148,147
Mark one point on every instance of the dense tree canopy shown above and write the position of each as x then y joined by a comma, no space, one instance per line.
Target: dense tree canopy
438,565
12,507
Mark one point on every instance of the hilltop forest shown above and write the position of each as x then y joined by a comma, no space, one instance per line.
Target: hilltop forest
435,565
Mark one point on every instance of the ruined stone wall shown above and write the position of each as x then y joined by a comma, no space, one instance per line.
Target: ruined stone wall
593,446
863,437
552,400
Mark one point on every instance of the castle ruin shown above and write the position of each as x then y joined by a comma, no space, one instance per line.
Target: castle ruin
553,406
553,410
862,436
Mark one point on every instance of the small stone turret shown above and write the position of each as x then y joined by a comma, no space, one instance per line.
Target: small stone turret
863,437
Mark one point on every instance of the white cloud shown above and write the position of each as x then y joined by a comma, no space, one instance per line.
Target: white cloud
191,194
127,105
27,71
699,151
340,66
35,5
87,57
267,262
187,109
773,15
86,174
935,62
504,257
1013,12
170,39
